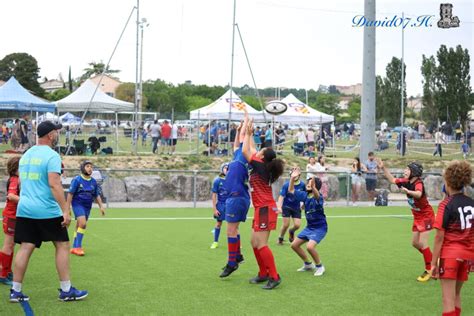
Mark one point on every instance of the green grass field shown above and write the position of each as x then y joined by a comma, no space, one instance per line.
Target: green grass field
158,262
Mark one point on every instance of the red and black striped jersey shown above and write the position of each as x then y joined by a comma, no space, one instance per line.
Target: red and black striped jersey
260,184
455,218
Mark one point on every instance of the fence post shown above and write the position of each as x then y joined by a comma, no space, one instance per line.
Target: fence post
194,188
348,188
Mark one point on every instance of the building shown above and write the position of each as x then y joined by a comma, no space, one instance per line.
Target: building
355,89
344,102
108,85
52,85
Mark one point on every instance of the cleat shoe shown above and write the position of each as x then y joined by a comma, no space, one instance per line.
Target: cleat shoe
319,271
77,251
258,279
73,295
240,259
6,281
280,241
424,277
228,270
214,245
307,267
17,297
291,234
272,283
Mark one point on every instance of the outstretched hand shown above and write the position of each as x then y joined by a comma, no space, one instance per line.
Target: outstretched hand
295,173
249,127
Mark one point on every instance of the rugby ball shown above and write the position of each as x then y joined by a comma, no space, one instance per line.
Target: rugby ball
276,107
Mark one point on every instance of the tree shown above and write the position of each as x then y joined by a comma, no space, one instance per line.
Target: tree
328,103
24,68
452,83
379,100
58,94
97,69
428,70
354,109
194,102
391,93
126,92
333,90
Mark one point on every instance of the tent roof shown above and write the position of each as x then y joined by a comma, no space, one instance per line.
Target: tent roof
79,100
298,112
219,109
14,97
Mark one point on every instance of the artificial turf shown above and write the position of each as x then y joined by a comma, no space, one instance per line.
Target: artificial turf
137,265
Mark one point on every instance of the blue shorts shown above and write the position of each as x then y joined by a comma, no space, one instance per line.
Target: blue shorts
221,208
290,212
316,234
165,141
236,209
80,210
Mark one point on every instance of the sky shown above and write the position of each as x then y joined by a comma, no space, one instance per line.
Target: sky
290,43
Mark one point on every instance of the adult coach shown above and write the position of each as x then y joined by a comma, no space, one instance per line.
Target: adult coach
371,176
42,213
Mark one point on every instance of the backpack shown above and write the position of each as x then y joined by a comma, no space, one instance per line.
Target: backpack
382,198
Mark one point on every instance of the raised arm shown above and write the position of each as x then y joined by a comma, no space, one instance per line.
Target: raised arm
248,149
246,121
237,136
386,172
294,175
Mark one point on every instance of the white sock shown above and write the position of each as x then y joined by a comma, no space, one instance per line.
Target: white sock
65,285
16,286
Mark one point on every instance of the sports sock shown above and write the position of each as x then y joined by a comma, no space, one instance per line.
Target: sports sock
10,262
3,259
319,265
80,236
74,243
217,232
16,286
262,270
458,311
65,285
238,245
6,265
269,261
232,243
452,313
427,256
307,263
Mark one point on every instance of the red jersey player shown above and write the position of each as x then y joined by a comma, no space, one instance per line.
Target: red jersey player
266,169
423,215
454,241
9,218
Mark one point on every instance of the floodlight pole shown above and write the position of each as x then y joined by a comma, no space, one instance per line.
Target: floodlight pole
137,87
231,74
402,119
367,138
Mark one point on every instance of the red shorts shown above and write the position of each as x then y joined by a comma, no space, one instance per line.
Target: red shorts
423,225
454,269
9,226
265,218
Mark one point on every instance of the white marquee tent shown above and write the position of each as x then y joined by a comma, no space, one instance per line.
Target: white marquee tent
298,112
219,109
79,100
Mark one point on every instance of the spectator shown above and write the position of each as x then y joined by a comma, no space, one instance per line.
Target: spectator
311,168
280,137
402,143
155,132
232,133
310,137
165,137
371,176
24,133
383,126
357,169
268,137
256,138
439,138
351,131
458,131
174,138
448,131
68,136
321,169
300,141
321,145
5,133
465,150
16,136
262,137
421,130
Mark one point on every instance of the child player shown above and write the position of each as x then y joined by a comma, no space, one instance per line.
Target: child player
237,202
290,208
219,195
82,192
453,249
266,169
9,219
316,228
412,185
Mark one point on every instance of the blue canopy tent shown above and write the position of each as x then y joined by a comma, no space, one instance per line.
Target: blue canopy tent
16,98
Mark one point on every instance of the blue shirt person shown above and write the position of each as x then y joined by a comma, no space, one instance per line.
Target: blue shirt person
219,196
290,208
316,228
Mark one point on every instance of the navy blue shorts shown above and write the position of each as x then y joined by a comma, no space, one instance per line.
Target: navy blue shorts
236,209
80,210
370,184
290,212
221,208
316,234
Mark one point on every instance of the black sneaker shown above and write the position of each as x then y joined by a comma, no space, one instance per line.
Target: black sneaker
272,283
228,270
280,241
291,234
240,259
258,279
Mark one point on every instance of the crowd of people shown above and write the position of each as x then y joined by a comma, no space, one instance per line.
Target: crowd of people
20,133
